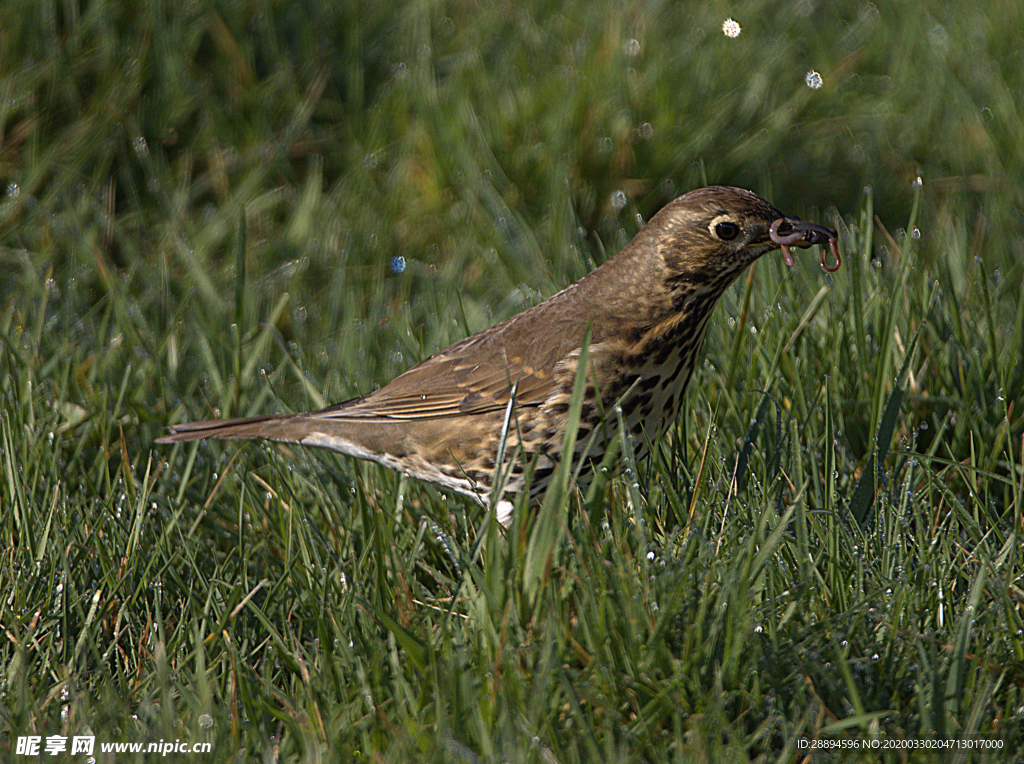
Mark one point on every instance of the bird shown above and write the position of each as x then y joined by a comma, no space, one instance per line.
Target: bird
501,398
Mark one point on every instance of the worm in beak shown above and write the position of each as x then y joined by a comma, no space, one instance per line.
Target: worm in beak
790,232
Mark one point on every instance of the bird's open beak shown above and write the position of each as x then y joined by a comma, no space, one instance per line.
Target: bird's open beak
793,232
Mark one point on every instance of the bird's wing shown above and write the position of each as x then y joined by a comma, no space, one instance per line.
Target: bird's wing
473,376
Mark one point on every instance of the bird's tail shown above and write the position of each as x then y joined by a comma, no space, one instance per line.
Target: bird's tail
271,427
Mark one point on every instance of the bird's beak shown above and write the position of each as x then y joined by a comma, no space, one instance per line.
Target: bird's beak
800,233
793,232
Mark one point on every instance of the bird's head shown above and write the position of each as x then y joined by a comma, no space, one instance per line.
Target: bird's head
706,237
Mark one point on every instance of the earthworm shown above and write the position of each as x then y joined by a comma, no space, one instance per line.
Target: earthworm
801,232
834,246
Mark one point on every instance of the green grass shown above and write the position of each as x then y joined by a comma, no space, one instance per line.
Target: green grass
202,213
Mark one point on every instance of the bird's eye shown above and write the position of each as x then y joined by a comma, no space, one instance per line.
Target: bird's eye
727,231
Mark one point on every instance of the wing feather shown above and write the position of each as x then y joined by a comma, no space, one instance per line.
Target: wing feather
474,376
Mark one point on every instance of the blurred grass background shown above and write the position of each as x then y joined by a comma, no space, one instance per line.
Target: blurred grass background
241,207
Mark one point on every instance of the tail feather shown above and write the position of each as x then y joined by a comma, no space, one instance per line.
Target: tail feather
271,427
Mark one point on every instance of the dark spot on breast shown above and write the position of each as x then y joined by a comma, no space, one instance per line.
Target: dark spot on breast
530,441
663,353
650,383
673,374
677,400
560,407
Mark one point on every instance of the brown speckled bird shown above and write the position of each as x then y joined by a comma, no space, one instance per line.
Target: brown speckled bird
647,308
